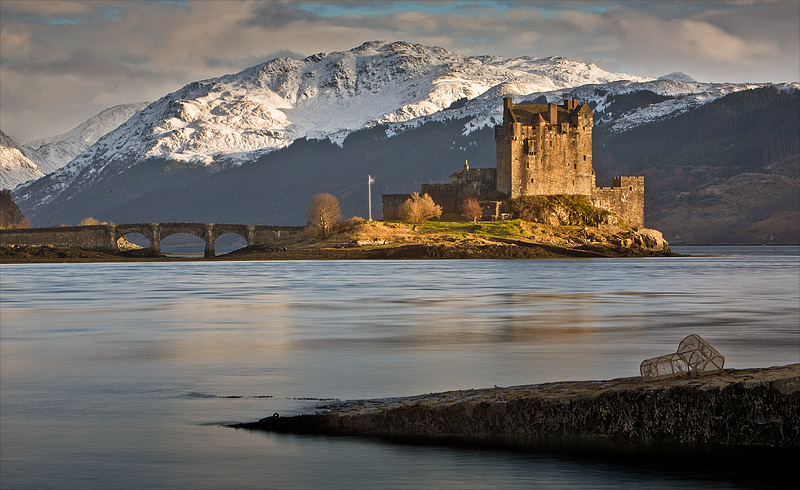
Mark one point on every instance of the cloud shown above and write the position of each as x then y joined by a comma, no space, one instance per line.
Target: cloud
278,14
635,40
251,60
54,73
87,60
45,10
15,43
713,43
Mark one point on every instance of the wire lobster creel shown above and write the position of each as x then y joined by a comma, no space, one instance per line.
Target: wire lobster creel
663,366
695,357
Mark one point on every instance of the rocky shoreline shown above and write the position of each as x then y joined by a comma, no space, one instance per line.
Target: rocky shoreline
757,407
358,239
495,248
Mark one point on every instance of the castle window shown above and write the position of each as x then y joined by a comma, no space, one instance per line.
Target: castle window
531,181
584,158
630,188
574,165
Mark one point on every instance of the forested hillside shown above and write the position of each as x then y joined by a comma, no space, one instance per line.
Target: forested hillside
742,131
726,172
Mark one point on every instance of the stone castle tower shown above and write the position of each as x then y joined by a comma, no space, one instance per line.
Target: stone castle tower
542,150
545,149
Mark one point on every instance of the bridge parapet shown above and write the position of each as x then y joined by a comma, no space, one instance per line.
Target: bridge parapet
265,234
105,237
89,237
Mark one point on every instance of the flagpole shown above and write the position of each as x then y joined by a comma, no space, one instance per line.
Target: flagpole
369,194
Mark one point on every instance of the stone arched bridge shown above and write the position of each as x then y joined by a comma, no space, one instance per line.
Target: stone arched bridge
105,237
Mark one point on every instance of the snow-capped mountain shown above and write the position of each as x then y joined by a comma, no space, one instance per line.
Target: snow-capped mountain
238,117
54,152
15,168
394,88
677,75
487,109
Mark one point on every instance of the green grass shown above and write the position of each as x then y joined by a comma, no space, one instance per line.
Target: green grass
513,228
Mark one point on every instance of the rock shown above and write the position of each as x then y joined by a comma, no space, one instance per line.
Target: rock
735,408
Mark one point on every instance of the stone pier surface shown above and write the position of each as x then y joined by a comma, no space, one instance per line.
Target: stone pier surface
743,407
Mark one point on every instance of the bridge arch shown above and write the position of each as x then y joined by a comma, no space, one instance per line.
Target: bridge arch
245,231
230,241
181,243
208,232
132,240
202,230
148,230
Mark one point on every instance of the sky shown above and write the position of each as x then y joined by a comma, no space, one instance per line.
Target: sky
64,61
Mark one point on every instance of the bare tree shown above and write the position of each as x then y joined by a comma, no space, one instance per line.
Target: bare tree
324,211
419,209
471,209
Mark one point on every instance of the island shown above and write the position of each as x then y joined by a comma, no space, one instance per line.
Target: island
358,238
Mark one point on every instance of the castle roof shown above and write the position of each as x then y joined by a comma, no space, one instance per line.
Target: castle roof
530,114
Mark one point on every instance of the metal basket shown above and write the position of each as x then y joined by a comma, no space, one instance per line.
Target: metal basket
694,357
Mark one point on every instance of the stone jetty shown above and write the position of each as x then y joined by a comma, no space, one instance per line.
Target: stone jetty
738,407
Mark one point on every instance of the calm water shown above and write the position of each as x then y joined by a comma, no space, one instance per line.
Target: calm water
120,375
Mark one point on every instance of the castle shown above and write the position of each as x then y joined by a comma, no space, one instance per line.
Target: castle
542,149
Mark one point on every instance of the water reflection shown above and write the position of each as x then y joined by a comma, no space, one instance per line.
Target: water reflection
111,371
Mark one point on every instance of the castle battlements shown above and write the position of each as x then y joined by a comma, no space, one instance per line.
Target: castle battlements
625,197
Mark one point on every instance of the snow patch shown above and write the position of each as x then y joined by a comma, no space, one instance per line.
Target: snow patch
239,117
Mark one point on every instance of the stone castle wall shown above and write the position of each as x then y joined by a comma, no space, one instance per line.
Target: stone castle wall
625,197
391,203
487,175
452,196
545,157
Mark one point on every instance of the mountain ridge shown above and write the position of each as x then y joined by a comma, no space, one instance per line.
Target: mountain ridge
22,162
54,152
316,103
15,167
239,117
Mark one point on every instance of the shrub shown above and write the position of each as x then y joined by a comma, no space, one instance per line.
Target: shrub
91,222
562,209
419,209
471,209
